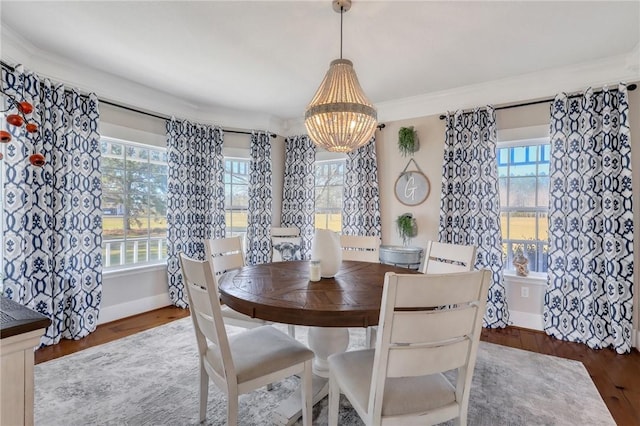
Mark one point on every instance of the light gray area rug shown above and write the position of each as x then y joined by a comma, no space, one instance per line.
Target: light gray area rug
151,378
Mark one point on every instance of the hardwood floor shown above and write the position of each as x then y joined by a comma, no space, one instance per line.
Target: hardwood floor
617,377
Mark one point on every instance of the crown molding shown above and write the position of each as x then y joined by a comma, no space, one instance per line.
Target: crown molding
526,87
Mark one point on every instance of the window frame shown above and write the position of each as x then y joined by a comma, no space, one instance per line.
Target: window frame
229,228
537,210
148,262
328,212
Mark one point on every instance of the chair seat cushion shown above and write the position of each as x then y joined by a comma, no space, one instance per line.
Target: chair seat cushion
260,351
402,395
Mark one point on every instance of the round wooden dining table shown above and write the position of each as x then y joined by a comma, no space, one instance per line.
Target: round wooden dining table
282,292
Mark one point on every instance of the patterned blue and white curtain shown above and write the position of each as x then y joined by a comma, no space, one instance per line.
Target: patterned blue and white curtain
52,218
590,277
470,202
195,196
260,199
298,198
361,196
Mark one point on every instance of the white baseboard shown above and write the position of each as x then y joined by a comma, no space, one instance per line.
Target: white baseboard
526,320
133,307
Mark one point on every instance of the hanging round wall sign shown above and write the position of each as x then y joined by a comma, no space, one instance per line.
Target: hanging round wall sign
412,187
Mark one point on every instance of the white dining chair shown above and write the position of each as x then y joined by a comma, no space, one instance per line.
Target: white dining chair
243,362
226,255
360,248
444,258
401,381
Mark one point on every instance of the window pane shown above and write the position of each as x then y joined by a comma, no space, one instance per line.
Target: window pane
543,192
158,226
522,192
522,170
504,225
522,226
334,197
543,226
503,191
112,227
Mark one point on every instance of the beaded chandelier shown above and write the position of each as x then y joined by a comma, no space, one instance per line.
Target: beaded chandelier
340,118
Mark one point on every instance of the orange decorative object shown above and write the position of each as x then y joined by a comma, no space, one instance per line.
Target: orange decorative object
37,160
15,120
25,107
31,127
5,136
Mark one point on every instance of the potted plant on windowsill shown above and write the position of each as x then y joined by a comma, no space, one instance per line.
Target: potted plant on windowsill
407,141
407,227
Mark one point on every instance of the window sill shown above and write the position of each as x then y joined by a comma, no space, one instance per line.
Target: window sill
134,269
534,278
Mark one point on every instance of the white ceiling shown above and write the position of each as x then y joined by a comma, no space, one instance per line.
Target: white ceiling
268,57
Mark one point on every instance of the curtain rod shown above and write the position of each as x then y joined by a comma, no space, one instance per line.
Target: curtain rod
139,111
631,87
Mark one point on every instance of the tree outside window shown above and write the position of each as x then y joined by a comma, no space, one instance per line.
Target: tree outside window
329,183
134,204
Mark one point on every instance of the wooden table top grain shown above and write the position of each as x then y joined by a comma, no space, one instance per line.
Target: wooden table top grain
281,292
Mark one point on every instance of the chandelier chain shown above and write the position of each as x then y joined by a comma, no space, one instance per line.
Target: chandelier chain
341,13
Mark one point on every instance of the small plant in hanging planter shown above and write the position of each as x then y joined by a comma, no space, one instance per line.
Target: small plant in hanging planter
407,141
407,227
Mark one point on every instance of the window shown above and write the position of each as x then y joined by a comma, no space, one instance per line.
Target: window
134,204
236,195
328,188
523,171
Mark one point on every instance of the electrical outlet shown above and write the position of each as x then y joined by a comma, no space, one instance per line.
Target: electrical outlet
524,291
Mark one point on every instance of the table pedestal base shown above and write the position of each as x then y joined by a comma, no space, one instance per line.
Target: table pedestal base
323,341
290,409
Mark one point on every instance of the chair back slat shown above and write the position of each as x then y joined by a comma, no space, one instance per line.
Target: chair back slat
226,263
291,231
434,326
443,258
406,361
221,246
360,248
442,289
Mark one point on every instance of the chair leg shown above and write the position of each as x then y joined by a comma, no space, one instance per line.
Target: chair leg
204,392
306,394
232,409
292,330
334,400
